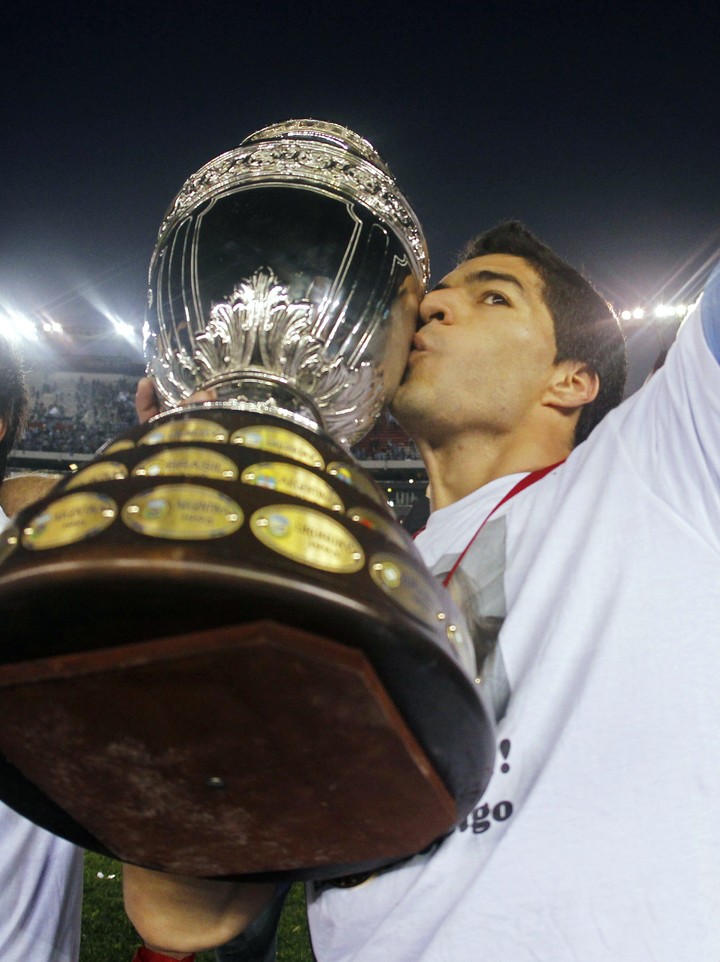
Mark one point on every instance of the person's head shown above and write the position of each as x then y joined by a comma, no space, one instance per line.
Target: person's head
586,327
513,344
14,400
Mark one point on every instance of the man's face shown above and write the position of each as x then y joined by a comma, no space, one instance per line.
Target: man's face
484,352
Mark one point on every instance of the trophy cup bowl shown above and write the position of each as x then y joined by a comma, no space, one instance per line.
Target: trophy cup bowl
222,655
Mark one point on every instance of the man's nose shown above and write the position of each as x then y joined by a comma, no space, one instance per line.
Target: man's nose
433,307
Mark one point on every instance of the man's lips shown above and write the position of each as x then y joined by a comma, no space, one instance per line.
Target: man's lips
418,348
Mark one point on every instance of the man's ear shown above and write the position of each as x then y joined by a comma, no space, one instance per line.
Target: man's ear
3,427
573,385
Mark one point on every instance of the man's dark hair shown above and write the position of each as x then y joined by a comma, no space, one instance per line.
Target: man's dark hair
14,399
586,327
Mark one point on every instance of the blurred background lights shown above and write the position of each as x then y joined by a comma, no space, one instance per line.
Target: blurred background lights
660,311
671,310
123,329
16,326
50,326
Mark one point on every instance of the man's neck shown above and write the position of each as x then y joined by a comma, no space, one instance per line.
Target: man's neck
461,465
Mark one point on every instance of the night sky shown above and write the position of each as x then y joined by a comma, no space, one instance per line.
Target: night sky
596,124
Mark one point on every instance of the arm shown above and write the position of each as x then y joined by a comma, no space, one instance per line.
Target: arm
710,309
176,915
668,430
21,490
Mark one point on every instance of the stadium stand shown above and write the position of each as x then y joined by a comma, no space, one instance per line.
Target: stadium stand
73,414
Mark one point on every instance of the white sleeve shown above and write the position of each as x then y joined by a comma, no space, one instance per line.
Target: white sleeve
670,429
710,309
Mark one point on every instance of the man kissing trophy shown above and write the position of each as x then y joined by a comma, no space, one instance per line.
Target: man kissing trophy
222,655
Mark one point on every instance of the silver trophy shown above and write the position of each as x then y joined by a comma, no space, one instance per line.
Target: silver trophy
250,670
287,276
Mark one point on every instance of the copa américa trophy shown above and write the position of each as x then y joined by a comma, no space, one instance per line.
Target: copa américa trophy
222,655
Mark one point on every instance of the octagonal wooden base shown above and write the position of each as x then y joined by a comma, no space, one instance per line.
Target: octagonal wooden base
234,751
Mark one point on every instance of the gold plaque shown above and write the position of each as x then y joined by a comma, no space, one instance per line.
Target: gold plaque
277,440
100,471
124,444
9,540
191,462
307,536
404,585
189,429
69,519
183,512
352,476
375,522
289,479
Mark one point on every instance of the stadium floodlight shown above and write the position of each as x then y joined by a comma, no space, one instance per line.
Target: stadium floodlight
660,311
50,326
123,329
16,326
120,328
671,310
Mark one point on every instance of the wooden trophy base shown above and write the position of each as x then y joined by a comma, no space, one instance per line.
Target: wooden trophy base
221,655
250,750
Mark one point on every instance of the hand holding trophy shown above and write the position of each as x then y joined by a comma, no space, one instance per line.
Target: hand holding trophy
222,656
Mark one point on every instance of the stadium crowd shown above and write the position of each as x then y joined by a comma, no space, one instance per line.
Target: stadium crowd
77,414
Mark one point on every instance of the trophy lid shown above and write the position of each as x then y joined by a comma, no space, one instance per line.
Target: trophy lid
324,132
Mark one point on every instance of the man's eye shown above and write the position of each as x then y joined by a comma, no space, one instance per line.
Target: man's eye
493,297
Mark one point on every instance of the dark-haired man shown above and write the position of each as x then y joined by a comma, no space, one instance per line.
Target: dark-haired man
40,874
584,550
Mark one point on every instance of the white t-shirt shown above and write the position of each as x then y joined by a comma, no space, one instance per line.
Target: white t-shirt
40,890
598,837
